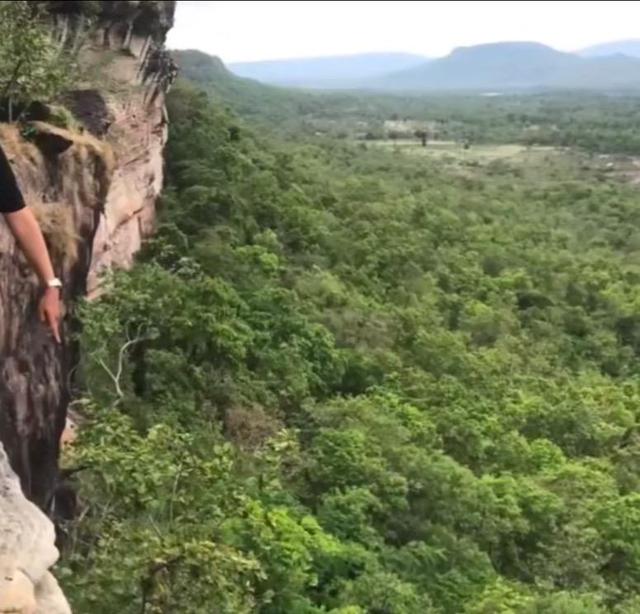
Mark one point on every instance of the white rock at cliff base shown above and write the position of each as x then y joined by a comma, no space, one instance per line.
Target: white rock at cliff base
27,551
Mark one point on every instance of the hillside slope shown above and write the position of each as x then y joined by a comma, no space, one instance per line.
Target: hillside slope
247,97
274,107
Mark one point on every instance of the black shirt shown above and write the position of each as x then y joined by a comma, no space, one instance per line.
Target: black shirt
10,196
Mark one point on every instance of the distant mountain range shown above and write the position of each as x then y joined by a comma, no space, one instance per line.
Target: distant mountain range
333,72
516,66
505,66
627,47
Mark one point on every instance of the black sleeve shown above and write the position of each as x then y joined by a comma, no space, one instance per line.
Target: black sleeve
10,196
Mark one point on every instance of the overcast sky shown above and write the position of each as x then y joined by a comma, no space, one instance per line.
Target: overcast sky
238,31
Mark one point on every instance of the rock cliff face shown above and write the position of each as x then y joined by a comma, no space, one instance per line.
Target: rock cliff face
94,189
26,552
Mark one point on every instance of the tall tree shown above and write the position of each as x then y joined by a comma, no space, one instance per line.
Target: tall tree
32,65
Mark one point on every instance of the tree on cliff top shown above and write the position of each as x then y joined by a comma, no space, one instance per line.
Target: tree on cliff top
32,65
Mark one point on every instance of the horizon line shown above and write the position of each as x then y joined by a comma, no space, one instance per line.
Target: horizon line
422,55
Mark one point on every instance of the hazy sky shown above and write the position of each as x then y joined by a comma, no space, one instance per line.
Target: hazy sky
238,31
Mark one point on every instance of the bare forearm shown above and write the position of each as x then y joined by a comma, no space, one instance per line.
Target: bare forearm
26,230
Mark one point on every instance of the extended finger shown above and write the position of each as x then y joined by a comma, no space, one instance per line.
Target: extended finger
54,325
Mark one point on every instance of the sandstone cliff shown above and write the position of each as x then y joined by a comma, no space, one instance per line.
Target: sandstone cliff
26,552
94,188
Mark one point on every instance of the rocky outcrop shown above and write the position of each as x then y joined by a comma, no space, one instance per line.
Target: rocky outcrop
125,108
93,186
68,191
26,552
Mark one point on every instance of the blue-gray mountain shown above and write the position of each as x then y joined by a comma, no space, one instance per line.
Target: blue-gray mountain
516,66
333,72
629,47
507,66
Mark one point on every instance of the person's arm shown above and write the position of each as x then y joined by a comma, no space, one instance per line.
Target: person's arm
26,230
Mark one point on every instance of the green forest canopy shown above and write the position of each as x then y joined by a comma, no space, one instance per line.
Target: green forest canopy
359,381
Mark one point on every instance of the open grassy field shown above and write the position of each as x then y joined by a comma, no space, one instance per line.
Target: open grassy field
525,161
480,153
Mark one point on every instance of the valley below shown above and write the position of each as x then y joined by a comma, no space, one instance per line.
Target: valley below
371,373
365,344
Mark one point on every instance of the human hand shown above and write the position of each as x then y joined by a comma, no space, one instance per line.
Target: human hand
50,312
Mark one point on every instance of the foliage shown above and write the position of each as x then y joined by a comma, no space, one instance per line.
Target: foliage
343,380
32,65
